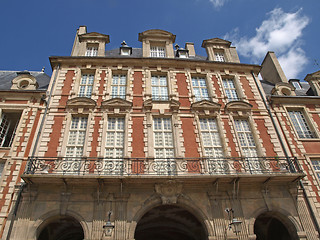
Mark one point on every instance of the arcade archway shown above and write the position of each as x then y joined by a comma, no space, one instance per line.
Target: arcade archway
273,226
168,222
61,228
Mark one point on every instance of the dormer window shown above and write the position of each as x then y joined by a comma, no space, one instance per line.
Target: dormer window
92,50
181,52
157,51
125,50
219,56
295,83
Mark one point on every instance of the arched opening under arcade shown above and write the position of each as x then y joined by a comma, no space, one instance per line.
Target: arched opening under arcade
170,222
60,228
274,226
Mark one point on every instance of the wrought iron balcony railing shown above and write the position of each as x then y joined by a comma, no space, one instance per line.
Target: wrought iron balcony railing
158,167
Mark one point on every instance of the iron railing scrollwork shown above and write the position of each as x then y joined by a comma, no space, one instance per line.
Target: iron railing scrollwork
163,166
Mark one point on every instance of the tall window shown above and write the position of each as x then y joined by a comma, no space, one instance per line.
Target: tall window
230,89
115,138
77,135
157,51
219,57
200,88
163,138
8,126
245,136
211,138
159,88
316,166
92,51
300,124
118,86
86,85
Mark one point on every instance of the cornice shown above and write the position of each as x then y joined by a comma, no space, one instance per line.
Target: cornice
143,62
294,99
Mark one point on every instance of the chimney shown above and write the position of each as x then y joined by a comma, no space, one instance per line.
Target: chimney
82,30
190,46
271,70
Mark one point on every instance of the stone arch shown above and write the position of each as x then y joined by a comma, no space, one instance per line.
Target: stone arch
279,217
154,202
280,212
44,219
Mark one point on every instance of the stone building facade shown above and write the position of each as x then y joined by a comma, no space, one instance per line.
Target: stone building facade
22,95
159,143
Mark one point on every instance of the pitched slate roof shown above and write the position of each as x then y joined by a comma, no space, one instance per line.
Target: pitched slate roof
6,78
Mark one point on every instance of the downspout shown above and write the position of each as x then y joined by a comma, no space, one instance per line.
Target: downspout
22,186
286,154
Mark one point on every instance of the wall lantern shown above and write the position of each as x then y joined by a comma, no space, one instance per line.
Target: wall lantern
108,227
235,224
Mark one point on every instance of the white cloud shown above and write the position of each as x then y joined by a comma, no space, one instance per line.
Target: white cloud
218,3
282,33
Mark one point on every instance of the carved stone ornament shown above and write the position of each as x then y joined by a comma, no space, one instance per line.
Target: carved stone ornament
116,103
169,191
81,102
205,105
235,106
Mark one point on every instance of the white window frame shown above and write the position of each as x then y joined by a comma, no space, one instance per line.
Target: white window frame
301,124
230,89
77,136
159,88
219,56
5,124
296,84
119,86
315,162
115,137
246,139
163,138
157,51
200,88
92,50
86,85
211,138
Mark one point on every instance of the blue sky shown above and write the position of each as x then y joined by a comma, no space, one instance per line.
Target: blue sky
33,30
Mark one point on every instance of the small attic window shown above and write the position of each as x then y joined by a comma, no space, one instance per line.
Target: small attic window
23,84
125,50
295,83
181,52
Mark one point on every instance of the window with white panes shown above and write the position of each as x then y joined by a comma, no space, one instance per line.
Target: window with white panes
246,139
211,138
300,124
115,138
92,51
219,56
8,126
316,166
230,89
77,136
163,138
157,51
86,85
200,89
159,88
118,86
296,84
